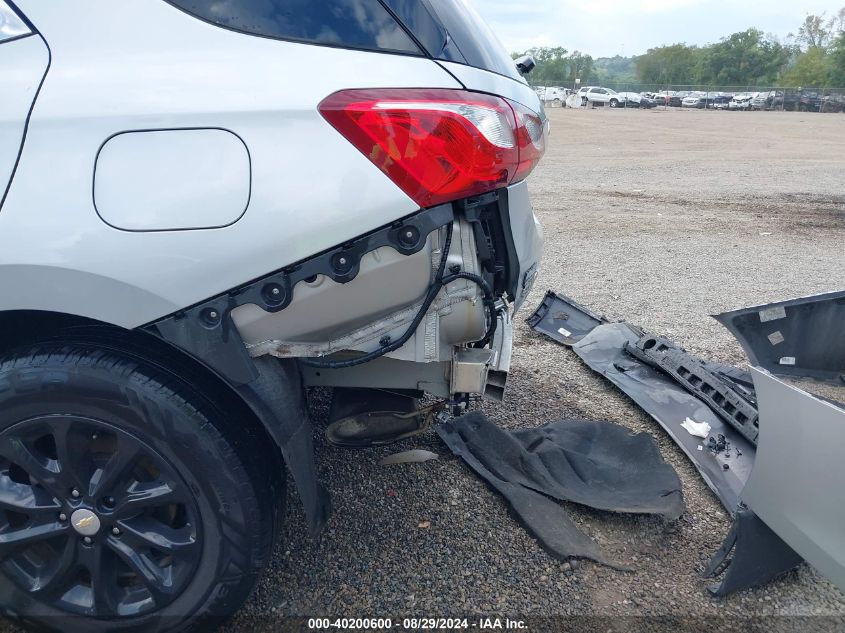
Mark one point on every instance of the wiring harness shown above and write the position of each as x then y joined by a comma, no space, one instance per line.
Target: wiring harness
441,279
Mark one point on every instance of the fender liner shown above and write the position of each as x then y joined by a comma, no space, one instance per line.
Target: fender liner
277,398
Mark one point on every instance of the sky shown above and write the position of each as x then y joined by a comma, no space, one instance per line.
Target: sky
603,28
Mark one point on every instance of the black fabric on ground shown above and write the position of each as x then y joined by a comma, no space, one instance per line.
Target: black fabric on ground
597,464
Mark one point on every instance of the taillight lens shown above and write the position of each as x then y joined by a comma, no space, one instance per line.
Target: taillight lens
531,133
439,145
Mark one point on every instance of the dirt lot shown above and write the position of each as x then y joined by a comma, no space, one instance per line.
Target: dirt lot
658,217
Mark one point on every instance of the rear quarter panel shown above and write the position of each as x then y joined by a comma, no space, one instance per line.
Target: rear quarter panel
141,65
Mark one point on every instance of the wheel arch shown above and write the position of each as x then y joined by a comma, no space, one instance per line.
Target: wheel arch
71,291
24,327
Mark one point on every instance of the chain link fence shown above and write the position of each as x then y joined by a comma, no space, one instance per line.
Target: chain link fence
781,98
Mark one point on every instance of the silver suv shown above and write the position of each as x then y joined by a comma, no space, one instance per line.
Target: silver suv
206,207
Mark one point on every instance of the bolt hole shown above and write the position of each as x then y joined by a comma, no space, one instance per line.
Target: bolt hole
210,317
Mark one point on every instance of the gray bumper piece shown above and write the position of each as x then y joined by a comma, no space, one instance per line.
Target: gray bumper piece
563,319
800,337
798,478
792,507
602,346
799,474
758,556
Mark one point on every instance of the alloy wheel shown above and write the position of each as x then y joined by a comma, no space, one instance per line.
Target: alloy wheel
93,520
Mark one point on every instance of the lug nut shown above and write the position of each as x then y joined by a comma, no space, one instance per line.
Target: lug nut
74,493
108,502
115,531
62,516
342,261
87,540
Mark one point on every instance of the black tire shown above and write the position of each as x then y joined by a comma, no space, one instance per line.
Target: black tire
614,103
210,530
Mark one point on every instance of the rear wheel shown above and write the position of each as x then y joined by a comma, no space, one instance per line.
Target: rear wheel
128,500
614,103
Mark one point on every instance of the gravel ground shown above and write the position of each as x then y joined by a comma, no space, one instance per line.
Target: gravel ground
660,218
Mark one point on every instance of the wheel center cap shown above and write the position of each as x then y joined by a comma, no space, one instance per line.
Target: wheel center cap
85,522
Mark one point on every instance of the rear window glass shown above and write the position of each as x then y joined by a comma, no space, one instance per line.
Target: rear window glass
451,30
364,24
419,20
473,37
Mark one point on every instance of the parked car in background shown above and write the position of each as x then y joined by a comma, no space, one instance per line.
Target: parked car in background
763,100
676,99
648,102
785,100
741,101
809,101
636,100
833,103
695,100
554,95
660,98
602,96
720,101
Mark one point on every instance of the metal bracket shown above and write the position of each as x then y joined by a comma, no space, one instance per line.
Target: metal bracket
489,216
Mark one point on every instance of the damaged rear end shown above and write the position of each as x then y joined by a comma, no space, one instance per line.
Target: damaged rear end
425,304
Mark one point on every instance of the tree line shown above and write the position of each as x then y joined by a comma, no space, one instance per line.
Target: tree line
813,56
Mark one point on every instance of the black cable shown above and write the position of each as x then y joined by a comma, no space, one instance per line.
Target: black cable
441,268
431,295
489,301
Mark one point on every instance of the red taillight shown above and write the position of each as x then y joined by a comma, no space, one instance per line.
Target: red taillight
439,145
531,137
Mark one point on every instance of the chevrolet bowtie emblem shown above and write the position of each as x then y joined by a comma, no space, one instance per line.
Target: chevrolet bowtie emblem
85,521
